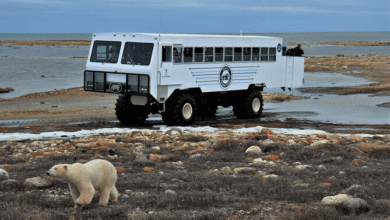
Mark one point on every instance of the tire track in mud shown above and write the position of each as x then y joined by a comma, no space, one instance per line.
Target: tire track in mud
219,122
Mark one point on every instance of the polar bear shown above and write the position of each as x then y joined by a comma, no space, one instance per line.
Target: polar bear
85,179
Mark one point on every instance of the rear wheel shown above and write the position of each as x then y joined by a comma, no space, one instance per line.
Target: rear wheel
249,107
181,110
129,114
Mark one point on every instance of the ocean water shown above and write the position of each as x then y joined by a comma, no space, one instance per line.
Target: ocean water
302,37
30,69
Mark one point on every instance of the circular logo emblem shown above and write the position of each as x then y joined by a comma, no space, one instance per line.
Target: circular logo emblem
225,77
279,47
115,87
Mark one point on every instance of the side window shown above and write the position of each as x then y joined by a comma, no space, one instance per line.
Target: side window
237,53
209,54
255,53
264,54
247,54
272,54
198,54
228,54
188,54
177,52
166,54
218,54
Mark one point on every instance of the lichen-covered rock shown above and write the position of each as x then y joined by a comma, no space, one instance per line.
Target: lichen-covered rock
267,131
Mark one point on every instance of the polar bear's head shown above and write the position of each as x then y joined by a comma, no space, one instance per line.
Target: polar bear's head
58,171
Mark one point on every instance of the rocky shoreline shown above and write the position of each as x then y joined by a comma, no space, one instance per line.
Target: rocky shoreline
264,157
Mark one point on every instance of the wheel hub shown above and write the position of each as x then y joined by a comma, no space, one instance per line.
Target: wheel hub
256,104
187,111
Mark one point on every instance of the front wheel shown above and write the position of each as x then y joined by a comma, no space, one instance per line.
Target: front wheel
250,107
180,111
129,114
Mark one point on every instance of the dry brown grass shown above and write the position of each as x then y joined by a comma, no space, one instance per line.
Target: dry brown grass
369,62
47,42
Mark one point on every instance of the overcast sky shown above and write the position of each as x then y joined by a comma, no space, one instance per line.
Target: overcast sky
197,16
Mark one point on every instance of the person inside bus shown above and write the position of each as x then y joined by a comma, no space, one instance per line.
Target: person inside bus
176,55
114,53
188,55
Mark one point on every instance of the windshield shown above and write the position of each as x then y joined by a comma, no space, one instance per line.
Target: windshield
137,53
105,51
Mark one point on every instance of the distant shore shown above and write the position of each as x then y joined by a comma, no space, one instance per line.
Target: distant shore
47,42
88,42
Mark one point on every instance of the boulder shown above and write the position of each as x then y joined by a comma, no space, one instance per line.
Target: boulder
156,148
195,156
142,162
9,182
253,150
259,161
267,131
37,182
244,170
173,131
273,157
302,167
317,144
124,139
356,191
158,158
3,175
170,192
355,138
270,176
346,203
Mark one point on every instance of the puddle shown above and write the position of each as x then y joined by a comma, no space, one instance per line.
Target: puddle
357,129
88,122
351,109
17,121
320,79
14,123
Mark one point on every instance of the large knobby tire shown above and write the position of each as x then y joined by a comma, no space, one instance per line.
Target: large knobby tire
180,110
250,107
129,114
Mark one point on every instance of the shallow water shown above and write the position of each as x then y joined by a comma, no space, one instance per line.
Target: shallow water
337,109
343,109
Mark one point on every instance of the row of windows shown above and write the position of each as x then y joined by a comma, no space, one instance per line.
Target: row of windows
217,54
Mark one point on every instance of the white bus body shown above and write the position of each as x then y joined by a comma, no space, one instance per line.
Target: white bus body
151,69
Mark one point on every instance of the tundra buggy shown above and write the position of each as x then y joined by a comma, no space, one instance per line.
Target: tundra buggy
185,76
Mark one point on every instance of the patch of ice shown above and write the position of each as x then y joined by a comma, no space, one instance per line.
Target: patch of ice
162,128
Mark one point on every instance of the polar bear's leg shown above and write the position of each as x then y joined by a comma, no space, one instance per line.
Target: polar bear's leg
103,196
86,195
74,192
114,194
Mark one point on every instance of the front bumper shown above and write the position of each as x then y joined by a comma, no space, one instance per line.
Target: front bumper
120,83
